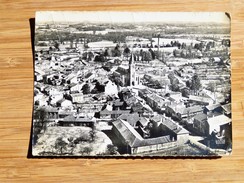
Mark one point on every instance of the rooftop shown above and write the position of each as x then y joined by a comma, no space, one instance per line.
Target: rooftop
227,108
213,106
219,120
130,118
201,117
71,118
129,134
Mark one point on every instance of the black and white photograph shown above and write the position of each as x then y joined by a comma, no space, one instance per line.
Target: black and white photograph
132,84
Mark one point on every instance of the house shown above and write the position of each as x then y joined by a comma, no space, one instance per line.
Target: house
39,86
200,123
76,121
215,59
142,122
205,125
47,78
38,77
77,97
226,109
89,77
110,88
40,100
176,110
192,111
132,118
175,96
119,105
163,125
200,100
51,90
64,113
112,114
137,108
76,87
71,78
157,79
52,112
143,93
53,99
212,108
130,101
216,123
64,103
157,102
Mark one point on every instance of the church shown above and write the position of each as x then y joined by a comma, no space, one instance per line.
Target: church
126,74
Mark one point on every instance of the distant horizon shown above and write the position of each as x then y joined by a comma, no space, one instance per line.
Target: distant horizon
112,17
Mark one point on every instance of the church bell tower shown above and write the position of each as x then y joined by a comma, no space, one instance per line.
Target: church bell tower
132,71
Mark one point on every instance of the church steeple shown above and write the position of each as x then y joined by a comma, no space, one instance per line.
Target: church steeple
131,61
132,70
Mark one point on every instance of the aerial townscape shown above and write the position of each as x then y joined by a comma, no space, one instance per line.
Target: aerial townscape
132,89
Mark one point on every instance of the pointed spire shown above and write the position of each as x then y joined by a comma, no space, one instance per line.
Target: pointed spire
132,59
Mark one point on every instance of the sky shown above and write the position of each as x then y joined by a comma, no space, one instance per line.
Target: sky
130,17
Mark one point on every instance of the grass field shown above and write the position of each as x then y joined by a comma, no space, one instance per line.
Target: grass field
46,142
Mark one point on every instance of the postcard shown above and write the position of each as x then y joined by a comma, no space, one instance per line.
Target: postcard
132,84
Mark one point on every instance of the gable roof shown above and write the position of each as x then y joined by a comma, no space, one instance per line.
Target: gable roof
194,109
169,123
143,121
227,108
212,107
49,108
201,117
129,134
131,100
71,119
130,118
200,99
106,111
152,141
118,103
219,120
133,138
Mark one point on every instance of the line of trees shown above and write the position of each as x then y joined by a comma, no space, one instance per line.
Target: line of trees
39,123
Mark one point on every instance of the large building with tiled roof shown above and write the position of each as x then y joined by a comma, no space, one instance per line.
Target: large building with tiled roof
135,143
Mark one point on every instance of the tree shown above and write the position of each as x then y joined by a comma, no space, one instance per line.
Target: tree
56,45
152,53
211,86
146,56
86,150
60,145
175,87
195,83
188,84
40,116
71,144
185,92
175,53
111,149
116,52
86,89
99,58
127,52
92,134
106,54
